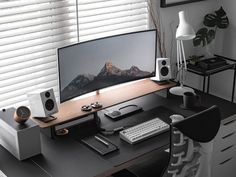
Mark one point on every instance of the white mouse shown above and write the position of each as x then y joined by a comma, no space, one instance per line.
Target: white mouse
176,117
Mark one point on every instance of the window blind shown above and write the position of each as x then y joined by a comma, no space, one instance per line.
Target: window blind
32,30
100,18
30,33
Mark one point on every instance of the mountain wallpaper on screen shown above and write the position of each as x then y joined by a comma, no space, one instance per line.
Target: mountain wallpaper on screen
109,75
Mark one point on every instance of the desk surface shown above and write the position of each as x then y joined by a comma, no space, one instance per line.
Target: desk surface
66,156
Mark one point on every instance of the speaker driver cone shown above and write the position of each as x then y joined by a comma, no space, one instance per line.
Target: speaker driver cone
164,71
49,104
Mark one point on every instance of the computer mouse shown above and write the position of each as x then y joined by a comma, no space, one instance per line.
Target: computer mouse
176,117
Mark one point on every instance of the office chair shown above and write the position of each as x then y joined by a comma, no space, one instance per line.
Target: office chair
191,147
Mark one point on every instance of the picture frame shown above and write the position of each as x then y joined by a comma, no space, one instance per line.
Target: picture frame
169,3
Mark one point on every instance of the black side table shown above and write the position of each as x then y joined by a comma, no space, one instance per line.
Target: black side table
206,73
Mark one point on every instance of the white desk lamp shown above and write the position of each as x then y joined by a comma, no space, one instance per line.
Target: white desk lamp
183,32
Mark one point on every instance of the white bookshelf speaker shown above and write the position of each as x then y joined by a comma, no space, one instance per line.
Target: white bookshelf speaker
163,69
42,103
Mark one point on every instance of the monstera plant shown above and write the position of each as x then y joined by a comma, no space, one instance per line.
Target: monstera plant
212,22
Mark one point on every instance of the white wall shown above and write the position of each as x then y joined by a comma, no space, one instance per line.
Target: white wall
229,42
169,17
221,83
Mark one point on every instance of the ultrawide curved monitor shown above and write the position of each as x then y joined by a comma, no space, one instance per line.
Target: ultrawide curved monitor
100,63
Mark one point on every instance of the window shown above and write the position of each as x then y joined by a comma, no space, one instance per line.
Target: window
32,30
99,18
30,33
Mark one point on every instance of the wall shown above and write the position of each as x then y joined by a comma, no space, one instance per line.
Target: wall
229,42
221,83
169,17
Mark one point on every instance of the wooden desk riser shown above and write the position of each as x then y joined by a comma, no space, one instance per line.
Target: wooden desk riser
71,110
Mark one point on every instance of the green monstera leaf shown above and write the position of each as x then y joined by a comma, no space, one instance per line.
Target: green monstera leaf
206,35
200,37
203,36
218,19
210,36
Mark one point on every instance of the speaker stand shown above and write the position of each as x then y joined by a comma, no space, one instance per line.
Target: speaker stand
46,119
164,82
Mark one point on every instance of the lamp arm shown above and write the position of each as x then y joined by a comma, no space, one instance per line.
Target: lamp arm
180,54
183,54
177,48
180,62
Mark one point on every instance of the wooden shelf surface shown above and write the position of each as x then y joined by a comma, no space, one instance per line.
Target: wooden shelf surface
71,110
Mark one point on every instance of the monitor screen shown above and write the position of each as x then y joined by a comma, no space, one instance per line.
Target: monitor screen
96,64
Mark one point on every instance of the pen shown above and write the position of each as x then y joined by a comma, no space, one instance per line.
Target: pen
101,140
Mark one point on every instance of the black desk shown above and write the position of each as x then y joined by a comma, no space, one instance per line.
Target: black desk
65,156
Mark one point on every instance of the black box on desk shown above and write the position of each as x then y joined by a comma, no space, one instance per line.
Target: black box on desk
212,63
22,141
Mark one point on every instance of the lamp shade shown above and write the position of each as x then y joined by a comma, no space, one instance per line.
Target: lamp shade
184,30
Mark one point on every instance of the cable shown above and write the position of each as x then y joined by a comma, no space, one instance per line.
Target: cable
114,130
128,106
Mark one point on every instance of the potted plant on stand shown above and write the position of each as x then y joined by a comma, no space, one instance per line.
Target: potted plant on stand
212,22
195,59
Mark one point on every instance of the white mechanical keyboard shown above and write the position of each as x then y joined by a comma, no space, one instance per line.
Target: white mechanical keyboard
144,130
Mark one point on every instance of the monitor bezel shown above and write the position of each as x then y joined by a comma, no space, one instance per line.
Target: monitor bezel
123,34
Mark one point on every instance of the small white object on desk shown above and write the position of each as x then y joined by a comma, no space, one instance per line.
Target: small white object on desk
101,140
176,117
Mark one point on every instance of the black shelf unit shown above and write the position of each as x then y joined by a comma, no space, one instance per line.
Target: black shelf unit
206,73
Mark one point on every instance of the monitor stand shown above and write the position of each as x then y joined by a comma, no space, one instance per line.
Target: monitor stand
68,111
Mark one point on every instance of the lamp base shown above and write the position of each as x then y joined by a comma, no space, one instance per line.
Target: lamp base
180,90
